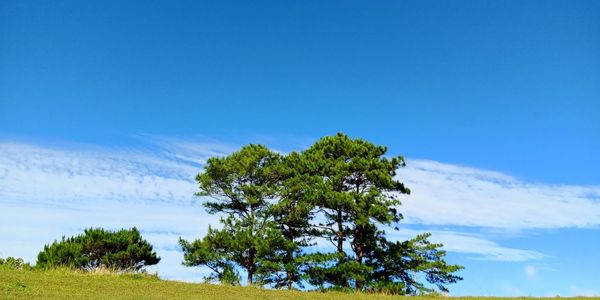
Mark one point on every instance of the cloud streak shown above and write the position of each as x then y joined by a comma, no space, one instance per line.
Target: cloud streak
445,194
30,173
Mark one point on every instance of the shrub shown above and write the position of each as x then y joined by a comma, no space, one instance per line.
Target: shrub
14,263
97,248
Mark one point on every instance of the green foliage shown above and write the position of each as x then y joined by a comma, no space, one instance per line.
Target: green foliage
14,263
213,251
356,190
340,190
293,214
398,265
240,186
123,250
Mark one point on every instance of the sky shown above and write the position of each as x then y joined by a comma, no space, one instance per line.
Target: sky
108,109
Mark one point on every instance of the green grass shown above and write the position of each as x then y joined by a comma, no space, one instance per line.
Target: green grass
65,284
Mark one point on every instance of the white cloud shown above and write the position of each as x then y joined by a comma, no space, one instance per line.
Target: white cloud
445,194
191,152
442,194
530,272
35,174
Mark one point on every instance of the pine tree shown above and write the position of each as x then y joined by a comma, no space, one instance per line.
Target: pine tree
240,187
292,213
356,191
340,190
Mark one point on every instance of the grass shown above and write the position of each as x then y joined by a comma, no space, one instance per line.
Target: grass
66,284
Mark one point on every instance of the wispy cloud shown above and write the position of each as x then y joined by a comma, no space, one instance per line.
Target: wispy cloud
189,151
34,174
444,194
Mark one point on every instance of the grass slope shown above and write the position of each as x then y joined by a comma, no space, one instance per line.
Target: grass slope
63,284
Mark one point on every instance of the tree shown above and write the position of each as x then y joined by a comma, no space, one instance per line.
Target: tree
292,213
240,187
274,208
122,250
355,195
356,190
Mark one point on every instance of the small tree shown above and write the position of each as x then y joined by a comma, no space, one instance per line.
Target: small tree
122,250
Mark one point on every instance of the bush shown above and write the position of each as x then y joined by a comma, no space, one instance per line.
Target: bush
121,251
14,263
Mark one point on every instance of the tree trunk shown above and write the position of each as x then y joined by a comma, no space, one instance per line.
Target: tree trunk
340,244
290,280
340,234
250,267
358,251
251,251
358,244
289,259
289,273
359,259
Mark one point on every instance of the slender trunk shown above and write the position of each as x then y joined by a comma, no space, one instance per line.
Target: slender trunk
358,250
359,285
290,280
250,275
289,258
340,244
251,251
358,244
340,234
289,273
250,266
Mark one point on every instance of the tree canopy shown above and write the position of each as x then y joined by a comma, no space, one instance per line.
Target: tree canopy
279,213
240,186
355,193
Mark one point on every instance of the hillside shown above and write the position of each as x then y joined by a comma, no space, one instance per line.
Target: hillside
61,284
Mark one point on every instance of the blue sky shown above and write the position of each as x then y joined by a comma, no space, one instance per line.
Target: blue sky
112,106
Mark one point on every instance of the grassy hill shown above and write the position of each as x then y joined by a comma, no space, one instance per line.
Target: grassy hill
63,284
